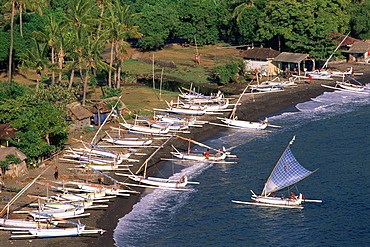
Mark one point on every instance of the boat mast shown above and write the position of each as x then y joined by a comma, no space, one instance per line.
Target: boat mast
106,119
327,61
232,115
264,187
145,164
20,193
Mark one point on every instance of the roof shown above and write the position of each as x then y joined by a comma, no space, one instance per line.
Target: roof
6,130
259,53
78,112
11,150
347,42
290,57
102,105
359,47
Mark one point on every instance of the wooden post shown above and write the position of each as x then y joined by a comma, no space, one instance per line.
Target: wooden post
153,73
160,86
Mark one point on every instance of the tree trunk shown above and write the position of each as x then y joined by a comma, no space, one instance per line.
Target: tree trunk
72,76
60,63
52,61
38,81
20,19
47,139
85,87
119,75
10,72
111,64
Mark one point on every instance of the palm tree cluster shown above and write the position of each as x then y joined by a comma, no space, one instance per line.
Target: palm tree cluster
73,38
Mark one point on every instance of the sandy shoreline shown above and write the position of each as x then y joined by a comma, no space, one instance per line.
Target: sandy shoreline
264,104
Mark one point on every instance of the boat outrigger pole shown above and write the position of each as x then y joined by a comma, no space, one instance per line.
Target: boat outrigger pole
201,144
106,119
145,164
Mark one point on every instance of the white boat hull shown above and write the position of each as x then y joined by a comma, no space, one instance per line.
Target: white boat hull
57,213
351,87
187,111
278,200
24,224
145,129
159,182
245,124
58,232
200,157
128,141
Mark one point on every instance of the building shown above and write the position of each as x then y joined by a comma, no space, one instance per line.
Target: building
101,110
80,116
260,59
359,52
6,131
13,170
298,62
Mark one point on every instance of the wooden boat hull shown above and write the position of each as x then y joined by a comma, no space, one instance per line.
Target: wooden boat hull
144,129
80,197
266,88
265,204
173,126
278,201
187,111
129,141
181,183
58,232
351,87
57,213
245,124
23,224
200,157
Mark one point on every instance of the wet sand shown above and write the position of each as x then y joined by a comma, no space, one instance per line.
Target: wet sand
253,107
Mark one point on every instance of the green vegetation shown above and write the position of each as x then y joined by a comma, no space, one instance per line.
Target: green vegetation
41,124
10,159
73,47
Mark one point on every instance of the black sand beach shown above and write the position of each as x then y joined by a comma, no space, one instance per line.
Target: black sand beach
252,108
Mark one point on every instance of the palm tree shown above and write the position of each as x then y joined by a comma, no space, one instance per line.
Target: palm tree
81,20
36,59
120,26
32,5
240,9
53,36
91,59
10,66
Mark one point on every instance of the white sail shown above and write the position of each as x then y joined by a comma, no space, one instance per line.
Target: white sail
287,171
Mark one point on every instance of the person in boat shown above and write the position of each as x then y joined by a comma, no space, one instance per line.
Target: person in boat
293,196
207,153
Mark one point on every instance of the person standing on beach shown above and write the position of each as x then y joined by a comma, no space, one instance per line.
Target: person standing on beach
56,173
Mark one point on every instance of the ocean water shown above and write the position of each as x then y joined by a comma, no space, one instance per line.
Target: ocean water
332,134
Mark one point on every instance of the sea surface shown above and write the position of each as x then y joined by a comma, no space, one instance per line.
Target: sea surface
332,135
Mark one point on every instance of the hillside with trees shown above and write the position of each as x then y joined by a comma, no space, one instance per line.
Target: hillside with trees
62,43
